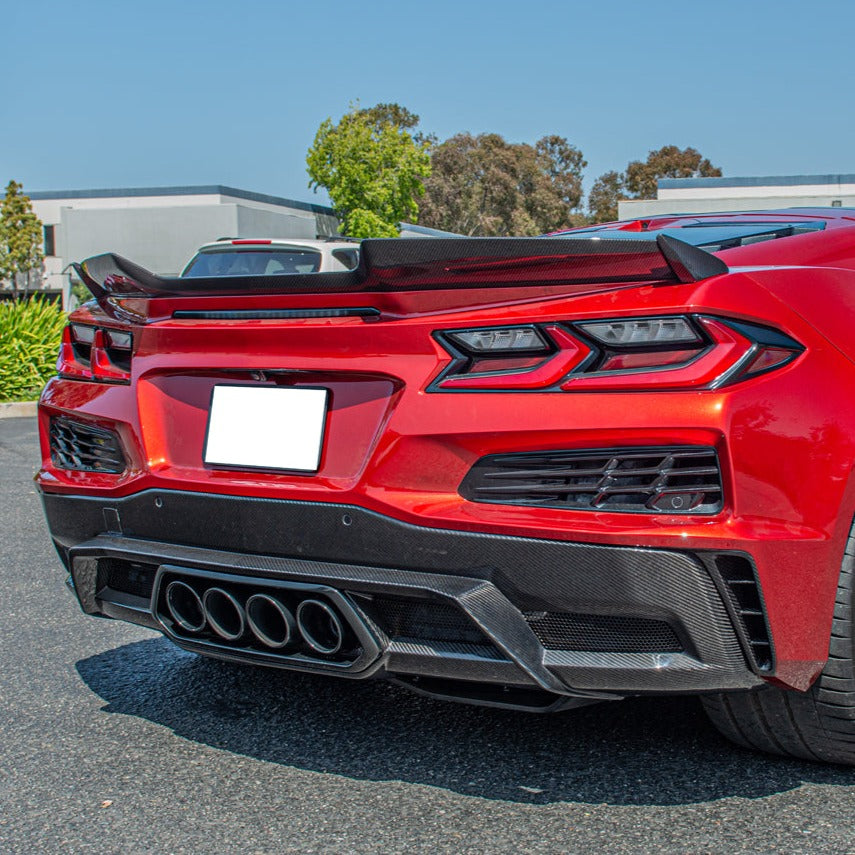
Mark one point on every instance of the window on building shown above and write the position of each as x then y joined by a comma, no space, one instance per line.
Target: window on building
50,240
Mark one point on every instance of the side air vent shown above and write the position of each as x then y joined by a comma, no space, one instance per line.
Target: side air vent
673,480
84,448
738,575
602,633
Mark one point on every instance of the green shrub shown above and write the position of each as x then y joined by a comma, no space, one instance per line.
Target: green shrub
80,292
30,333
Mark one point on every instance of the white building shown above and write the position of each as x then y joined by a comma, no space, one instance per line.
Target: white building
161,227
704,195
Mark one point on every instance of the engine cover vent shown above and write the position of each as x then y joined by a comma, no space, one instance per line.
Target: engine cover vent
671,480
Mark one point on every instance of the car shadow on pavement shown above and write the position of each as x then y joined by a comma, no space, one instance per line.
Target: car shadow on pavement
652,751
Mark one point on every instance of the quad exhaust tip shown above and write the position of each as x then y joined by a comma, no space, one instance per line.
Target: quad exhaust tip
314,624
320,627
224,613
185,606
270,622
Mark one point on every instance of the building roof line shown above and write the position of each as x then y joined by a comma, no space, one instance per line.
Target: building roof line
188,190
756,181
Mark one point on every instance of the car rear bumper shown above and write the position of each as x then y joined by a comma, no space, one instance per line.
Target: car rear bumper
525,608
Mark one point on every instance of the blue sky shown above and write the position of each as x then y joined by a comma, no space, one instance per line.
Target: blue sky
155,93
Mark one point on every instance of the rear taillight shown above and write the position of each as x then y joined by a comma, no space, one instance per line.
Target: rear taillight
94,353
516,360
74,355
625,354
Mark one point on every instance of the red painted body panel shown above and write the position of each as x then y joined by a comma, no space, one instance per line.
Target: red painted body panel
786,439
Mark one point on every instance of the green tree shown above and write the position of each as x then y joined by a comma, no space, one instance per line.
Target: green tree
666,162
390,114
483,185
639,179
20,238
372,167
564,164
603,199
401,117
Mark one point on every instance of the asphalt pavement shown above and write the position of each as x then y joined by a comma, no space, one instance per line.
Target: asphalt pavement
113,740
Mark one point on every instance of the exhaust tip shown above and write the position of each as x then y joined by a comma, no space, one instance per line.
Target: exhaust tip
185,607
269,621
320,627
224,613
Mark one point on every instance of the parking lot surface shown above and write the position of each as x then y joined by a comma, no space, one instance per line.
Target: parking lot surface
113,740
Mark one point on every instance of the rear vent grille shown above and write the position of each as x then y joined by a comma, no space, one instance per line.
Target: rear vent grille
84,448
602,633
738,575
682,479
418,620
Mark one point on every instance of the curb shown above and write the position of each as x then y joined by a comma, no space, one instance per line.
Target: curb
18,409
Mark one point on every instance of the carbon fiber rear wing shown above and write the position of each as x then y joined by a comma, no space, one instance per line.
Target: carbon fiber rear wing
415,264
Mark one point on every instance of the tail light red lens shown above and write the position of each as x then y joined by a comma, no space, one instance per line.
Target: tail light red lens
104,363
656,359
92,353
556,356
717,353
625,354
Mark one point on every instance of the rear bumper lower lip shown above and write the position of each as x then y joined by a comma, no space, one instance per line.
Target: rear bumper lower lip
520,655
493,579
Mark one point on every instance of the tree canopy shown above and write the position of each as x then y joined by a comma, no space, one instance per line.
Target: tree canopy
380,169
373,168
20,236
639,179
483,185
603,198
666,162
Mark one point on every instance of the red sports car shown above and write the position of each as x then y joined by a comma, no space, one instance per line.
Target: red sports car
524,472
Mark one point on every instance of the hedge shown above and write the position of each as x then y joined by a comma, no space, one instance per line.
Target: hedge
30,333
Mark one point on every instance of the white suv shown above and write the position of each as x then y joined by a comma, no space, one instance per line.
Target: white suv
272,257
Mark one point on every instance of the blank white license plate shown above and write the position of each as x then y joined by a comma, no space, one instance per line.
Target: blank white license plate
270,428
